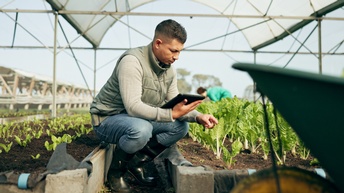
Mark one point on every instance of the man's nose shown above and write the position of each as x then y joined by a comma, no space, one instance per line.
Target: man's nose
176,56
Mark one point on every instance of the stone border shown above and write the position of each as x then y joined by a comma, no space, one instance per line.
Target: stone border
189,179
76,181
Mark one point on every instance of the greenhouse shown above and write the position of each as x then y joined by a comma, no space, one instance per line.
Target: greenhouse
24,90
282,61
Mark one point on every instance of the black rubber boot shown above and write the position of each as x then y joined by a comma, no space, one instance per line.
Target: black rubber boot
135,168
148,153
117,170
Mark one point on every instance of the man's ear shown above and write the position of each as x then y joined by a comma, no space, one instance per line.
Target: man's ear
157,43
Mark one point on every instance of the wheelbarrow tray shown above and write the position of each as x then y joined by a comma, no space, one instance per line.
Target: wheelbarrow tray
313,105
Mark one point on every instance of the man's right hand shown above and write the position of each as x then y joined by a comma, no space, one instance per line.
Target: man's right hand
181,108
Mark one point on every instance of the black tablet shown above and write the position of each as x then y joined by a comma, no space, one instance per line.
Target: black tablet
180,97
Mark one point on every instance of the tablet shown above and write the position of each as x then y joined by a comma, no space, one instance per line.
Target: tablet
180,97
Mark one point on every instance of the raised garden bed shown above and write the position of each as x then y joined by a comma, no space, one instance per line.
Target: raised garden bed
20,160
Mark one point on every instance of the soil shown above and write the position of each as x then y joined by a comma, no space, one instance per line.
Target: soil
200,156
20,160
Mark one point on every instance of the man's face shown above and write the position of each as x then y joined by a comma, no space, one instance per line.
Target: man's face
167,51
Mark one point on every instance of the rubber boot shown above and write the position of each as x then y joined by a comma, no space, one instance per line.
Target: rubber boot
135,168
148,153
117,170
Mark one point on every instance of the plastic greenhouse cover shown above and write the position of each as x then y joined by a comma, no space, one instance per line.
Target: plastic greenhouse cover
258,30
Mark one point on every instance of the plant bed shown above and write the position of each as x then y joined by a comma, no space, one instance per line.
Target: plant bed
208,171
20,160
23,159
27,149
198,155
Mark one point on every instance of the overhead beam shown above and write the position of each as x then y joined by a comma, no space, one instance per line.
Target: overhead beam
186,50
61,12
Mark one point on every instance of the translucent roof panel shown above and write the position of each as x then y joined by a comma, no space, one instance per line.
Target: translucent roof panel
93,27
260,31
261,22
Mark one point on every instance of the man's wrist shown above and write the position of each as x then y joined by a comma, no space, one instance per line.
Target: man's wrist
196,118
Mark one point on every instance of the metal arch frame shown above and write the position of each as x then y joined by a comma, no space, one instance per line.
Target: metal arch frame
255,50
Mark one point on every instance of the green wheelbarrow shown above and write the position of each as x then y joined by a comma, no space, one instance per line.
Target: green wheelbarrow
313,105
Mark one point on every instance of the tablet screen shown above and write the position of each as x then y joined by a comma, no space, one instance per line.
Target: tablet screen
180,97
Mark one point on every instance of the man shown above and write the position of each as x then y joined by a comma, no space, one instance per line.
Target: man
215,93
127,112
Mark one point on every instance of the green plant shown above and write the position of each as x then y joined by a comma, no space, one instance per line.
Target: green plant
5,147
218,135
229,155
24,132
36,156
314,161
241,121
23,142
303,151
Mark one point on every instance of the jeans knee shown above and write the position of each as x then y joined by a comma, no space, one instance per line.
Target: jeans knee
139,138
184,128
144,137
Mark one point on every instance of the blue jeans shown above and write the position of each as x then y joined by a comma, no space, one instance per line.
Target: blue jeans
131,134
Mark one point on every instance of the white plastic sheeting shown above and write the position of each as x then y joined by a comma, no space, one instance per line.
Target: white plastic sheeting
261,21
260,30
93,27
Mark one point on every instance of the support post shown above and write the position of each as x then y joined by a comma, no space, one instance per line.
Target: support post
320,46
95,72
53,110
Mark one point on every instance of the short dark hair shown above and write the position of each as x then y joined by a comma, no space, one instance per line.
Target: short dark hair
171,29
201,90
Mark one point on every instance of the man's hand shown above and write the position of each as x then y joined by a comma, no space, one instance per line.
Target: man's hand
181,108
208,121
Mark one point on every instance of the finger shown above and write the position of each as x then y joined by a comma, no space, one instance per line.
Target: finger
214,120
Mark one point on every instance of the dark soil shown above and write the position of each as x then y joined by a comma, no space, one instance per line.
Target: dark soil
199,155
19,159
